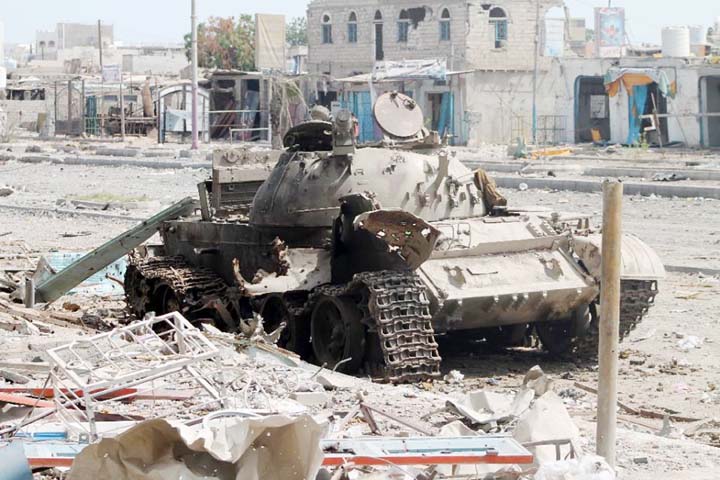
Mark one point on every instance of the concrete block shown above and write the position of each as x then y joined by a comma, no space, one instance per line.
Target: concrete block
311,399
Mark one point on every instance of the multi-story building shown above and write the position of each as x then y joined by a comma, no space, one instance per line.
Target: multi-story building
348,40
69,36
349,37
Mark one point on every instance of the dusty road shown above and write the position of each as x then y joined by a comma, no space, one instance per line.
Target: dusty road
669,363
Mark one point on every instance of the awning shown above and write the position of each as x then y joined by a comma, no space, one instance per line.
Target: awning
636,77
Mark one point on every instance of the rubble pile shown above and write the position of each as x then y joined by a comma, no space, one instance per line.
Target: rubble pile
161,398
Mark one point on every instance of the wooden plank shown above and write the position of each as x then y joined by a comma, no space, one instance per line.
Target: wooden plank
25,401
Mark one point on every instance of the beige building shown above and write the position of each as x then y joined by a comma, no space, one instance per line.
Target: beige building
346,38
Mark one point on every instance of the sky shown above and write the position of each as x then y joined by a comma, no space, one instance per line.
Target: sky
166,21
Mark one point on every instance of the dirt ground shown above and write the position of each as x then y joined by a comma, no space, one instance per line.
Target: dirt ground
668,364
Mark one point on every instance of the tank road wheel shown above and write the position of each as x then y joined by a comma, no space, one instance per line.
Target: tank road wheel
167,300
506,336
296,335
338,333
559,337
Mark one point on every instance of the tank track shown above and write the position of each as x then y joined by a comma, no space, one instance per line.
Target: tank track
194,286
636,298
395,306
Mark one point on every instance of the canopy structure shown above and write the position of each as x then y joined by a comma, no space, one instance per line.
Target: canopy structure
636,82
632,77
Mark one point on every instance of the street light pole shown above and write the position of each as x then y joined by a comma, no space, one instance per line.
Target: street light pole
193,34
535,72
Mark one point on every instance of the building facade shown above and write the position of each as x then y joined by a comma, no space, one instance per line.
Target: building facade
69,36
347,38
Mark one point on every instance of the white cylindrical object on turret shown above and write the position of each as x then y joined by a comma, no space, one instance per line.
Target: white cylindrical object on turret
676,41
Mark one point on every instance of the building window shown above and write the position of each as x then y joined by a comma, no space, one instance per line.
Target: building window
352,28
445,25
498,19
326,29
403,26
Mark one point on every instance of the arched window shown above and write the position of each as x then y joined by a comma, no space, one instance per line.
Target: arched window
326,29
498,19
42,44
379,36
352,28
445,25
403,26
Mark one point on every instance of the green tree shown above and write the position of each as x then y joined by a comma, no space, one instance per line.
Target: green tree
225,43
296,33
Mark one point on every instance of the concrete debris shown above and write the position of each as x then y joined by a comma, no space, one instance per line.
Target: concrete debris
454,376
690,342
6,191
488,408
585,468
14,376
547,420
536,379
669,177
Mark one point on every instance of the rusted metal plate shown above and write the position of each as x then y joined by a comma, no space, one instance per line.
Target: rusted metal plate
410,236
398,115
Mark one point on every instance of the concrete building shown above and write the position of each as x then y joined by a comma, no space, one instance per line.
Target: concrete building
3,70
349,37
152,60
69,36
574,101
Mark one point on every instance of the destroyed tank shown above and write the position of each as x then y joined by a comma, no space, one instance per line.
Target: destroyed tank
357,257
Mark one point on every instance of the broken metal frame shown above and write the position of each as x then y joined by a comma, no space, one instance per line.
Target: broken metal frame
49,289
124,363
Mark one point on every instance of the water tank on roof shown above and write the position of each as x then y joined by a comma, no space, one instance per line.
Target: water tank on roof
698,35
676,41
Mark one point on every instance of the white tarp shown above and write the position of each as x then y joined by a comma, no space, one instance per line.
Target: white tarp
269,42
435,69
277,447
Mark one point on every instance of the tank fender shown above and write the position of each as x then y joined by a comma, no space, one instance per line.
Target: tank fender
639,261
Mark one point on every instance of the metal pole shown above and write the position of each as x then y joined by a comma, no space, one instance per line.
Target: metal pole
83,113
102,83
535,71
157,109
193,24
68,128
55,120
100,45
609,319
122,109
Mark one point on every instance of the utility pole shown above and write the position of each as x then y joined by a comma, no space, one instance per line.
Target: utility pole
100,45
101,105
193,34
535,71
122,109
68,129
609,319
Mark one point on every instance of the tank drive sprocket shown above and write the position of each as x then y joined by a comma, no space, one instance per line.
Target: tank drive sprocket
636,298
